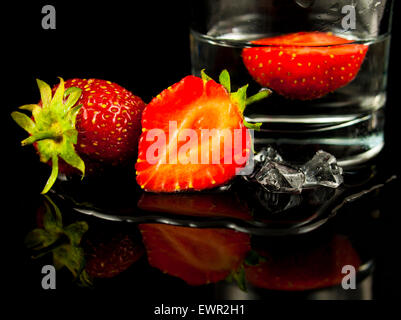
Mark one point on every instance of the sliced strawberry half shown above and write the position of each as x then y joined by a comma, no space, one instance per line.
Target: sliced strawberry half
194,135
304,65
198,256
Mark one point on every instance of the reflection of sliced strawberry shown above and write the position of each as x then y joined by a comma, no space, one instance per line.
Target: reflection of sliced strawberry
305,269
205,205
108,259
305,65
175,151
198,256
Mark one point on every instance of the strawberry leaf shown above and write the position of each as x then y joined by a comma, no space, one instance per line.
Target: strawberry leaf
45,93
38,239
52,219
73,113
29,107
240,98
69,155
23,121
253,126
71,257
36,112
225,81
85,280
73,95
75,231
204,76
53,175
57,100
259,96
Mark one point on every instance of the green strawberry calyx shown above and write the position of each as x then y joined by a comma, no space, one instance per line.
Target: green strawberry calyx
240,96
52,127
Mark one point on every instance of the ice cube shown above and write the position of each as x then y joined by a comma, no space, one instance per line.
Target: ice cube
274,174
268,154
322,170
279,177
265,156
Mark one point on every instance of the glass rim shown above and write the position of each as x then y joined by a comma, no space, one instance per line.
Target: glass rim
249,44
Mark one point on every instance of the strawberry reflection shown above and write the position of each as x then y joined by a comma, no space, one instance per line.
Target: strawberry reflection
86,255
198,256
290,267
106,258
289,209
63,242
203,204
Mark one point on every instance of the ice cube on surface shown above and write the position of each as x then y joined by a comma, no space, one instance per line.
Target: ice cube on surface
279,177
268,154
274,174
322,170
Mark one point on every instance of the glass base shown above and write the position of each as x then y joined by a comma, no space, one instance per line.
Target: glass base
352,139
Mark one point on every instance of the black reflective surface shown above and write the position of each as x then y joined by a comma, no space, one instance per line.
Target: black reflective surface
303,240
241,205
226,244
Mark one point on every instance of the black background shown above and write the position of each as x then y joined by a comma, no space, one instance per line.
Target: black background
141,46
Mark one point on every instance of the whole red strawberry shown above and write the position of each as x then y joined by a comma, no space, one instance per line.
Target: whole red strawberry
304,65
83,125
194,135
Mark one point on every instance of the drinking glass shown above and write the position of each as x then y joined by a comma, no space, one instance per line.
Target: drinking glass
348,120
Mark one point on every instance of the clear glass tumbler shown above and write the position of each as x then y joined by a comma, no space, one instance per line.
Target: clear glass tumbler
325,60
